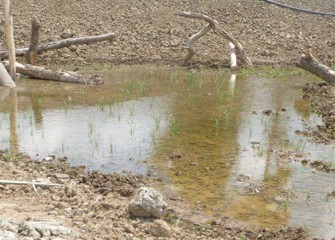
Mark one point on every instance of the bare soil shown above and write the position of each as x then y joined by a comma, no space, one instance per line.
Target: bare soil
150,32
94,205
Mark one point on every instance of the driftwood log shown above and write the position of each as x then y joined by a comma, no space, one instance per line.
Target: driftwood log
241,54
31,54
62,43
312,65
8,8
47,74
5,78
192,40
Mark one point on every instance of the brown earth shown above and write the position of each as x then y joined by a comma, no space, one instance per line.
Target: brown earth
94,206
150,32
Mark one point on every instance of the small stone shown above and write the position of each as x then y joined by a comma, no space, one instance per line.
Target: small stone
160,228
267,112
128,228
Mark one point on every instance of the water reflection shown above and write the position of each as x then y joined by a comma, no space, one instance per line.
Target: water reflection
205,133
230,163
91,136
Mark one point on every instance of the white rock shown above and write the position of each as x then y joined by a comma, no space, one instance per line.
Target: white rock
149,202
7,235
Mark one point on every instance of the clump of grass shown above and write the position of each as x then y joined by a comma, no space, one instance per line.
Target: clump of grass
158,121
174,127
204,227
172,219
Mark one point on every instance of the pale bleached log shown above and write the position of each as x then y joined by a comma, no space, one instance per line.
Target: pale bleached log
5,78
4,182
192,40
63,43
47,74
8,8
312,65
241,54
233,58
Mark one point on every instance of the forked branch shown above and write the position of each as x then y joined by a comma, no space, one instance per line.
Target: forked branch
241,54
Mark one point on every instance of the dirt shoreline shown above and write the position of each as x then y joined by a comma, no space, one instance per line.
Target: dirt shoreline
94,206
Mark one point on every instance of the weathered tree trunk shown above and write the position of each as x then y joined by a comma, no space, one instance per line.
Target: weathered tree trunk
5,79
47,74
63,43
311,64
233,58
8,7
241,54
31,54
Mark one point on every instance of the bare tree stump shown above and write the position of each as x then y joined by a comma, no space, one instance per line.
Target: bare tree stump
312,65
31,54
62,43
8,7
47,74
241,54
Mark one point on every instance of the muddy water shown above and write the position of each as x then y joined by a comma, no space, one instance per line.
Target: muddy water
204,132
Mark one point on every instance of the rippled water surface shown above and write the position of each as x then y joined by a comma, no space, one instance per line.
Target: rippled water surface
203,132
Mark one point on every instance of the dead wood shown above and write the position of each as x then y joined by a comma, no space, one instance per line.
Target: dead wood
47,74
241,54
5,78
63,43
312,65
8,8
192,40
29,183
31,54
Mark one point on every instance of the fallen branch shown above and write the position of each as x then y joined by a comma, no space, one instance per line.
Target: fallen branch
192,40
31,54
312,65
62,43
33,184
29,183
47,74
241,54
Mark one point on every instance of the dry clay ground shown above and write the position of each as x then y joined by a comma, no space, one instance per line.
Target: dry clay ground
150,32
94,206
